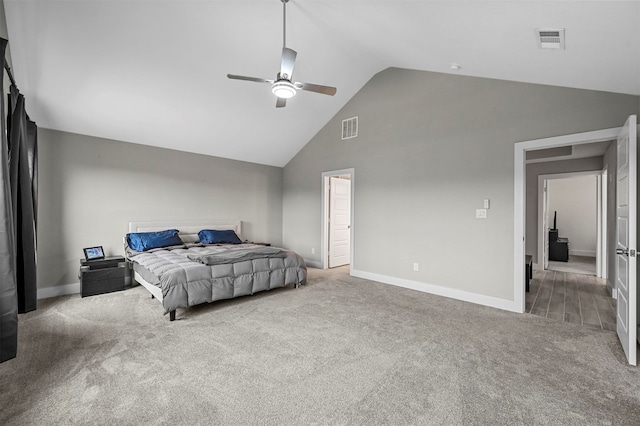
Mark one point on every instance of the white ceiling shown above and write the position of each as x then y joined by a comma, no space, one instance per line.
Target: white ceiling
154,72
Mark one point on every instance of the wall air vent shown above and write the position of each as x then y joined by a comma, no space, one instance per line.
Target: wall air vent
350,128
550,38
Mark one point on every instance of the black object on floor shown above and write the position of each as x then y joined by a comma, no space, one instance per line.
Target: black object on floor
559,250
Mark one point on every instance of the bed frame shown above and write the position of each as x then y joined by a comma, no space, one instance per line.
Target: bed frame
188,233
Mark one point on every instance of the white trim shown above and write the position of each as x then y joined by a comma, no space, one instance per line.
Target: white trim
324,209
542,239
603,247
313,264
519,181
63,290
541,235
452,293
599,225
519,190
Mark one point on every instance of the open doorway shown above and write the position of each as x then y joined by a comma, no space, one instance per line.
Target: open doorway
623,244
549,159
566,285
337,218
572,215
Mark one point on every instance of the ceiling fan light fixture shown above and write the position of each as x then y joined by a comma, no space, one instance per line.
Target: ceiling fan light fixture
282,86
283,89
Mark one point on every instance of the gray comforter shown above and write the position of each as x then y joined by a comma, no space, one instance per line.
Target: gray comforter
238,255
190,276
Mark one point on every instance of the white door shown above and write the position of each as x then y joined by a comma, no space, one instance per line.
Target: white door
626,239
339,222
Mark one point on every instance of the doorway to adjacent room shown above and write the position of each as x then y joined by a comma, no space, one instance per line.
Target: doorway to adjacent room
624,242
337,218
573,209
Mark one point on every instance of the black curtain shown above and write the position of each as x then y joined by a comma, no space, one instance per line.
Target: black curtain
19,159
8,289
23,163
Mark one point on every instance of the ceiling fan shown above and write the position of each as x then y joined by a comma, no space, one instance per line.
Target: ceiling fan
282,86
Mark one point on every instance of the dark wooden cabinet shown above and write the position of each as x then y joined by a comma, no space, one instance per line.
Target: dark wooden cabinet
101,276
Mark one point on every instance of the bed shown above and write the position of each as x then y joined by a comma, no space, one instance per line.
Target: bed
191,272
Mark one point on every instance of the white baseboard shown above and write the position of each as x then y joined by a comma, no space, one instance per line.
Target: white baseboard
479,299
63,290
587,253
313,264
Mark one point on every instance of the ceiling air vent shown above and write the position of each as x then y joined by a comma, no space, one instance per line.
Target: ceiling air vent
350,128
550,38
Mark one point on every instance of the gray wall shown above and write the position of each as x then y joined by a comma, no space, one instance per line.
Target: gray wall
431,147
90,189
549,168
4,35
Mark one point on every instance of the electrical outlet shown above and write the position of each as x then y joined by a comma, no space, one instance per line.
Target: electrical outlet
313,250
415,267
481,213
486,203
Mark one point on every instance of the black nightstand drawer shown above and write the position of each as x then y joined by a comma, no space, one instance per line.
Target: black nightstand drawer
99,281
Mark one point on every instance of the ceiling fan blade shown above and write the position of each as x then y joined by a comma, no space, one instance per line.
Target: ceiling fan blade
288,61
242,77
325,90
281,103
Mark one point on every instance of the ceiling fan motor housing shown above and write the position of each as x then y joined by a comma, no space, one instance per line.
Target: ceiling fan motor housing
283,89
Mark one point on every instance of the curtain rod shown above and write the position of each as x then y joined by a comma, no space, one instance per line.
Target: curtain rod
6,67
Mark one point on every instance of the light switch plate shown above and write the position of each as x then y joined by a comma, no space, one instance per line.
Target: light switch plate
486,203
481,213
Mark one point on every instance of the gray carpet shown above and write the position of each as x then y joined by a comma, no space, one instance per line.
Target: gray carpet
341,350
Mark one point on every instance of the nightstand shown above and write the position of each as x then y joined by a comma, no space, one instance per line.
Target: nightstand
101,276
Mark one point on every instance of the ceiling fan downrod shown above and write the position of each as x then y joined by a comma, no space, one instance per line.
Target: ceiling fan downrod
284,22
282,86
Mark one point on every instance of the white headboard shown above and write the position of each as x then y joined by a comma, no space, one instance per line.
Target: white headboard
188,229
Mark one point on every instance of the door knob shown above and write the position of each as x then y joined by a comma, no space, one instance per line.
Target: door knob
622,251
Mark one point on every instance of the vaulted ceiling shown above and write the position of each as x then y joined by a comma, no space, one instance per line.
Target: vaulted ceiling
154,72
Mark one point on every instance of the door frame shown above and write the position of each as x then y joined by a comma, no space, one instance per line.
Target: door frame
324,206
603,202
600,205
519,210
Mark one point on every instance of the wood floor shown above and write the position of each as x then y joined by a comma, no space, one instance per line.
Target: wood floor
574,298
576,264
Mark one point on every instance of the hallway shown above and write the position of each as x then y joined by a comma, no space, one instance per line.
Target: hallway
575,298
576,264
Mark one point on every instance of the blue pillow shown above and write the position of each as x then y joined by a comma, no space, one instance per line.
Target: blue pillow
210,236
143,241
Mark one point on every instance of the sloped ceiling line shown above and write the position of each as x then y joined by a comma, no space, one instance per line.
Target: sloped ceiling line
154,73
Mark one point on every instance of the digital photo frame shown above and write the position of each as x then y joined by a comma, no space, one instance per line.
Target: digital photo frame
93,253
